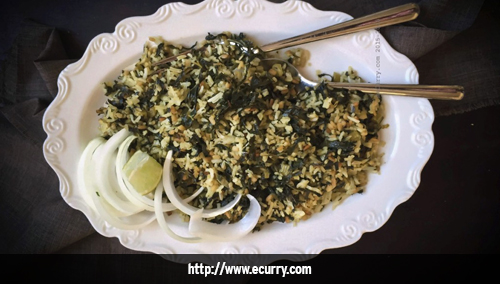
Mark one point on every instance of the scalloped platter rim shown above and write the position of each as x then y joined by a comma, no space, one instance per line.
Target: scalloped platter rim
409,138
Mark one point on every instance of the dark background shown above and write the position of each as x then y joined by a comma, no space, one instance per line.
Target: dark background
456,208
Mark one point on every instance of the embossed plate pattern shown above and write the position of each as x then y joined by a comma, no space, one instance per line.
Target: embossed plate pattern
70,121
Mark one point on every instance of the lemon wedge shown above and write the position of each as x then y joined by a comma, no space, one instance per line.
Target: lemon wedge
143,172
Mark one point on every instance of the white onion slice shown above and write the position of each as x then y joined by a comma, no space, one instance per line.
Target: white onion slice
129,190
111,209
102,158
103,208
84,179
182,205
225,232
132,222
161,218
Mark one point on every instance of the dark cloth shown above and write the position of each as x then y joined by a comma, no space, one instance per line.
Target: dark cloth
451,43
34,217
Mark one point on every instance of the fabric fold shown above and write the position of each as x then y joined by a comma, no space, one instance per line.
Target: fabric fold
470,59
415,42
51,61
34,216
20,79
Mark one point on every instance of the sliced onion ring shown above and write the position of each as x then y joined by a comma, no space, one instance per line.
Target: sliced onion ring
132,222
102,157
107,212
84,178
121,159
182,205
225,232
161,218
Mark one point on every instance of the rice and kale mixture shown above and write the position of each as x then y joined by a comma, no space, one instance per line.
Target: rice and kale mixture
237,127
